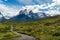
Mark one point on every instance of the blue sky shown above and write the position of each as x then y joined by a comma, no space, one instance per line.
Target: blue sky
25,2
19,3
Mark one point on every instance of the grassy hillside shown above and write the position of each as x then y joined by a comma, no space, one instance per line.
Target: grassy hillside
43,29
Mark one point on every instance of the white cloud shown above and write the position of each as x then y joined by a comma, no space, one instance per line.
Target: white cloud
8,11
57,2
35,8
52,12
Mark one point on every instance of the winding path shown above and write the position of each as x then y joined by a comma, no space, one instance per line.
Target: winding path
23,36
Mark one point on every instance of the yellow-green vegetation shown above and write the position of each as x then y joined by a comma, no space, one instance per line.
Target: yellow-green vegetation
43,29
6,34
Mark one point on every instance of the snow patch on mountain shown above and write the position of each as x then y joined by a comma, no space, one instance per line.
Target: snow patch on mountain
53,13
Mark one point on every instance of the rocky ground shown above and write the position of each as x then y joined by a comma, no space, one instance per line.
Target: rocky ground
25,37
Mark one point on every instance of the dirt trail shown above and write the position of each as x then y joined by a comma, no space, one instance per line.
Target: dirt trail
23,36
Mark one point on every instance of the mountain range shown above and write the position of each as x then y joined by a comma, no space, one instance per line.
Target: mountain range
24,15
29,13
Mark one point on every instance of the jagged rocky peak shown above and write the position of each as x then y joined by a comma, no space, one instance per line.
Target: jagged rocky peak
23,11
29,15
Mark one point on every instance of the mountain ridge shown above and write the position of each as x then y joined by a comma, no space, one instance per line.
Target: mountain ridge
31,12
